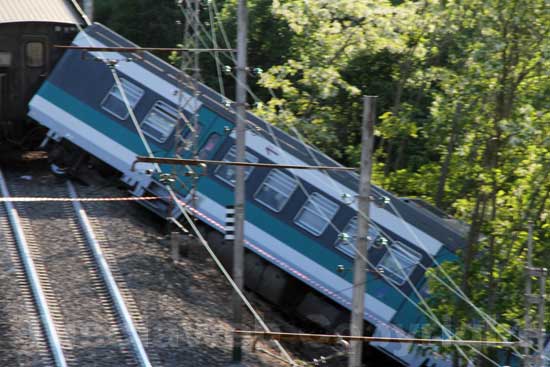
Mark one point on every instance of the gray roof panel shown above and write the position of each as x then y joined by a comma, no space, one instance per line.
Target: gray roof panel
55,11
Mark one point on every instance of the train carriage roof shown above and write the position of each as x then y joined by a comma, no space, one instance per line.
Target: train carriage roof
53,11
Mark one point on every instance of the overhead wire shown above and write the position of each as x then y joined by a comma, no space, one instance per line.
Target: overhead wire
205,244
215,44
453,287
150,153
381,230
297,179
331,223
218,263
183,210
457,290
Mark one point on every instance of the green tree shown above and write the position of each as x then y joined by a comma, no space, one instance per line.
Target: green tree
149,23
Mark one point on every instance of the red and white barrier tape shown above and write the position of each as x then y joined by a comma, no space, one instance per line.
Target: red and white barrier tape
46,199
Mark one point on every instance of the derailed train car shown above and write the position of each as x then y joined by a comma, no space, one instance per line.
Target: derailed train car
296,255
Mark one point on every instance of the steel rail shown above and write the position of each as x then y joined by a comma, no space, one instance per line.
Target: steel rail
110,282
33,279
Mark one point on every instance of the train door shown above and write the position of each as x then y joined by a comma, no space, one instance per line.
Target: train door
212,138
7,47
3,94
212,130
35,62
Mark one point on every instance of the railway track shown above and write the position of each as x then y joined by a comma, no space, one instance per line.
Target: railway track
80,314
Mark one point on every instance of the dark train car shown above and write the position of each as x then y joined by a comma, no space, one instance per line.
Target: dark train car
28,31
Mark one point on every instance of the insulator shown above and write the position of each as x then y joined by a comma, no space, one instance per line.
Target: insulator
381,241
347,198
344,237
382,201
167,178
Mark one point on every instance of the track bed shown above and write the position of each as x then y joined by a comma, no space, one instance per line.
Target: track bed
83,313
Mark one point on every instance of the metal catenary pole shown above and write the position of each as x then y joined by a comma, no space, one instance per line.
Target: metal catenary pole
541,314
528,290
238,248
195,88
359,265
534,332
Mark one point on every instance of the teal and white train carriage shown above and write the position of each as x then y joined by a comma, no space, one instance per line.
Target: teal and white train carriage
297,257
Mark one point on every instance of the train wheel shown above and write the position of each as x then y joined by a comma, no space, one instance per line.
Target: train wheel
57,170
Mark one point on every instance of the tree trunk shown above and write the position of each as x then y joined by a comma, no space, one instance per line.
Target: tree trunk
398,163
447,162
388,160
491,298
473,235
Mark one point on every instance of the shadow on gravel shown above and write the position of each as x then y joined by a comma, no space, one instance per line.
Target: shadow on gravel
179,281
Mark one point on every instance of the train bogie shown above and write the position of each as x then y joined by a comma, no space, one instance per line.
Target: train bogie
253,271
273,284
318,310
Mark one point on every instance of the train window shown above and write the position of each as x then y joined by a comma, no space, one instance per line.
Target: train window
209,146
276,189
399,262
227,173
5,58
160,122
34,54
316,214
114,103
347,245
